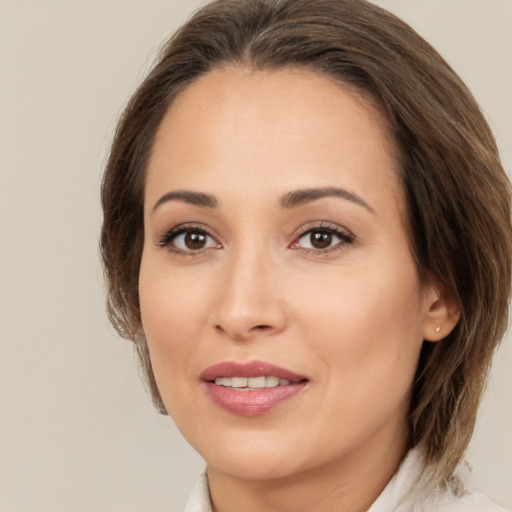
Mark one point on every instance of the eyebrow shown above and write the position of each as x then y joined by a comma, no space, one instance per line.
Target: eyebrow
308,195
290,200
187,196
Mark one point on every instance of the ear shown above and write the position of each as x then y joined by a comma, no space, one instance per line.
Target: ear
443,313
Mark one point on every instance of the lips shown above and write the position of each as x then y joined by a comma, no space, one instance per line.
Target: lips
253,388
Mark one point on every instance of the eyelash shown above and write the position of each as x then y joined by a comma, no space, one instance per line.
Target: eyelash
171,235
346,238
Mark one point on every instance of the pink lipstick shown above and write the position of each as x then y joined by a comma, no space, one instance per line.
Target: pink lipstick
251,389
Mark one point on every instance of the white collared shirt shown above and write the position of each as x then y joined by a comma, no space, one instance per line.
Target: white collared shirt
399,495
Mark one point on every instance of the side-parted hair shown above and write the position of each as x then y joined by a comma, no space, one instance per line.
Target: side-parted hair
456,193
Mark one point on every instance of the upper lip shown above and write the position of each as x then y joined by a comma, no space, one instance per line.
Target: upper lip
250,369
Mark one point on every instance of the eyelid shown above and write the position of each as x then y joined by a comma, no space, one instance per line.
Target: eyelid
323,225
345,235
165,240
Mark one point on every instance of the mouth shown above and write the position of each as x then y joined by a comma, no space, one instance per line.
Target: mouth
247,383
253,388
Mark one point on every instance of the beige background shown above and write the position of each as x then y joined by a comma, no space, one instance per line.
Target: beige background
77,431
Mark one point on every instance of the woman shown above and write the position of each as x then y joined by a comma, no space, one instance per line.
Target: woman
307,236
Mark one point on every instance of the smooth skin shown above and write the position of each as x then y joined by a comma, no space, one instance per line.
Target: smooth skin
322,283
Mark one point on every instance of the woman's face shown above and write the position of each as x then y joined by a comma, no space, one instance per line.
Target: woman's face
275,255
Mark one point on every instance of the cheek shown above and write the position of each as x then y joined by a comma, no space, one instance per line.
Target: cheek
170,300
367,328
366,340
362,299
173,318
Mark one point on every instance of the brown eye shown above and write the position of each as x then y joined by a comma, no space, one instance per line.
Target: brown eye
189,240
320,239
195,240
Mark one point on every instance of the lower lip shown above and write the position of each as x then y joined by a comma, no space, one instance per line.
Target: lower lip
252,402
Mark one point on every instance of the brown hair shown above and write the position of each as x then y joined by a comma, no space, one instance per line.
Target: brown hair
456,192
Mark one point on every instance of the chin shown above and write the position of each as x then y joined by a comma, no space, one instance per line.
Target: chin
248,459
263,468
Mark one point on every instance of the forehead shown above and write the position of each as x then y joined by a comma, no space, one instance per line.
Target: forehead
279,129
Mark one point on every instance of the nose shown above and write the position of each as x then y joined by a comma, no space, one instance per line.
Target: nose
249,301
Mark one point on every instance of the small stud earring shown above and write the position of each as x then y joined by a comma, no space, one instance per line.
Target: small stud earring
438,329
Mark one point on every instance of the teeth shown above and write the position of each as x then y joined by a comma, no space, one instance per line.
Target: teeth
239,382
251,382
271,382
256,382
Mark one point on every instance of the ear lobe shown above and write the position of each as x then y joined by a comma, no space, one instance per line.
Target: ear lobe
442,316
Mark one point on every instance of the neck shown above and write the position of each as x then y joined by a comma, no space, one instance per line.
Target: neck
350,483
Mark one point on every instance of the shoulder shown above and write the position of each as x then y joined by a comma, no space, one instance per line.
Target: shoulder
462,497
469,501
407,492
